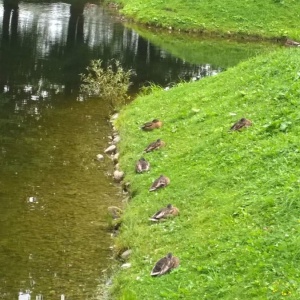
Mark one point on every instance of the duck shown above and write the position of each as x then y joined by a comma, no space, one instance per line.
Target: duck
155,145
165,265
148,126
243,122
164,213
161,182
142,165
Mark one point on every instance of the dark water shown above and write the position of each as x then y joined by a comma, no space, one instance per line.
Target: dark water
53,193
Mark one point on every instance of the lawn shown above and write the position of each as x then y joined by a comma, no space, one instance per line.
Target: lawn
252,18
237,235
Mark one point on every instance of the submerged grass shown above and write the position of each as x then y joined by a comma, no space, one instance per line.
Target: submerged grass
238,192
216,52
268,18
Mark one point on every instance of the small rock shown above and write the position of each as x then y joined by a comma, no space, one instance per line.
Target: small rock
110,149
115,158
114,117
118,175
100,157
108,282
32,199
126,266
116,139
126,254
24,296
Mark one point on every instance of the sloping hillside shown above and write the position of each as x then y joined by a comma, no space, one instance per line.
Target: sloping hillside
238,192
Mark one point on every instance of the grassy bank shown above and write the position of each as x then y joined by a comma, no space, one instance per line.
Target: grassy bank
269,18
237,235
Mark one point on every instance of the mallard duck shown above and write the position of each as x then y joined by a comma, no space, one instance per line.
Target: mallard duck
160,182
155,145
142,165
165,265
155,123
243,122
164,213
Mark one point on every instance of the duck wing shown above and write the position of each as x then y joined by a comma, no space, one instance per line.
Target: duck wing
237,126
147,126
145,165
240,124
138,167
163,266
152,146
142,165
160,214
155,145
160,182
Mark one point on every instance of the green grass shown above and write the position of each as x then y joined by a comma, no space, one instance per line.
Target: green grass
268,18
238,192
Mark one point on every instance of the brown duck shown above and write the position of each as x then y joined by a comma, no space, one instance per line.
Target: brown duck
243,122
161,182
155,123
164,213
165,265
155,145
142,165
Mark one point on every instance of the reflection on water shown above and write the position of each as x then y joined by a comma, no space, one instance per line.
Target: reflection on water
54,196
53,193
55,42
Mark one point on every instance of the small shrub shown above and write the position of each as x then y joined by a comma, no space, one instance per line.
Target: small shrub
110,83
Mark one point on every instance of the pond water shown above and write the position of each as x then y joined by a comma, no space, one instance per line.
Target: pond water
54,194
